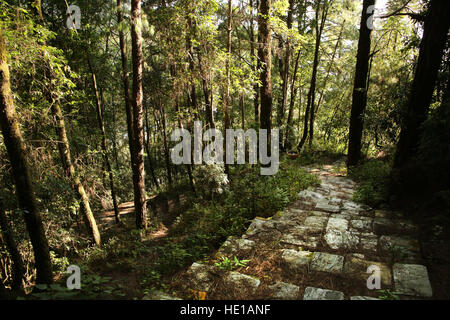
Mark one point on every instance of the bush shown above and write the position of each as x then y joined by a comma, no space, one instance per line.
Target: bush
373,177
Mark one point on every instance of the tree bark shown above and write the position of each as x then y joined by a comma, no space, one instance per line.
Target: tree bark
285,72
125,79
265,56
255,57
101,125
64,152
359,100
24,190
430,56
319,31
138,128
147,147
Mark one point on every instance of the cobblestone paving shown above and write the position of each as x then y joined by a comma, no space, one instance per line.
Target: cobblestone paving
324,233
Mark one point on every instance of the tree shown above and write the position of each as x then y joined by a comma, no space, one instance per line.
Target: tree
310,105
101,126
430,56
137,158
69,169
24,189
265,56
359,101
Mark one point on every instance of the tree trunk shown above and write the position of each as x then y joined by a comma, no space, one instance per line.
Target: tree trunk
265,56
359,100
289,130
101,125
138,128
285,72
147,147
24,190
8,236
430,56
162,115
255,57
207,93
330,65
319,31
64,152
125,79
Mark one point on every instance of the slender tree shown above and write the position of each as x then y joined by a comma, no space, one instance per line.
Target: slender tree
106,160
265,56
359,100
24,190
137,159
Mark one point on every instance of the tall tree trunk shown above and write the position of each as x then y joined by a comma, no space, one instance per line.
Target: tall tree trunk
359,101
147,147
8,236
285,73
319,31
265,56
430,56
138,128
255,57
64,153
289,130
330,65
162,115
207,92
101,125
12,137
125,79
226,100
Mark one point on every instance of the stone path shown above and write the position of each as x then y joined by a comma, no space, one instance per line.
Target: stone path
320,248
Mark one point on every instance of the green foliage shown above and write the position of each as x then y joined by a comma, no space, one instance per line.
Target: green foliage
387,295
230,264
373,179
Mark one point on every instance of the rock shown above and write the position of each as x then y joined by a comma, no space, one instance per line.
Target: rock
236,246
327,262
337,239
318,214
295,260
337,224
307,194
200,277
412,279
325,206
159,295
363,298
368,242
358,267
310,242
259,225
312,293
342,215
362,224
284,291
316,222
242,283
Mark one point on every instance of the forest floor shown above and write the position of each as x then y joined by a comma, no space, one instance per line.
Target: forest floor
319,247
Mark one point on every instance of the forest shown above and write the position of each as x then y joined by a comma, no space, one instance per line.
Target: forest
224,149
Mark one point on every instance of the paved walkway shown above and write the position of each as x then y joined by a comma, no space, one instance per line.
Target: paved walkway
324,246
